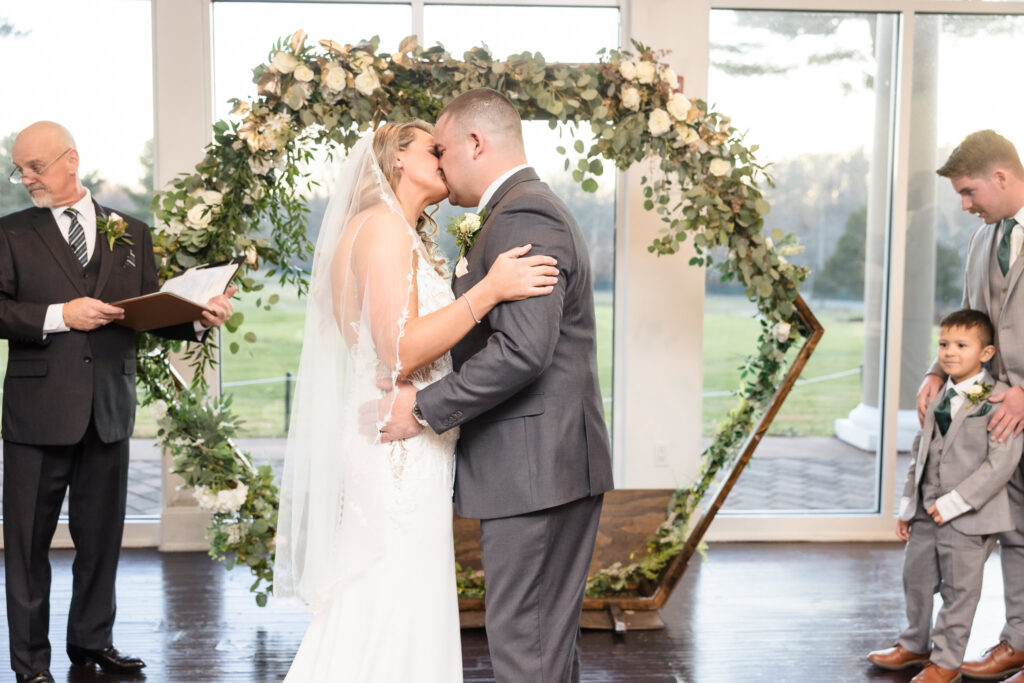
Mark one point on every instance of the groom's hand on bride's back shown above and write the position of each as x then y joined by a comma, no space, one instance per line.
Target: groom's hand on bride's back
399,402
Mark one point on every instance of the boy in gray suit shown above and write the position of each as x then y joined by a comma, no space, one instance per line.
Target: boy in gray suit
954,504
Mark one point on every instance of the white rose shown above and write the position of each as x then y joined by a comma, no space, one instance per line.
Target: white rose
333,77
975,390
669,77
367,82
360,60
212,197
303,73
628,70
691,136
719,167
659,123
646,71
174,228
259,165
769,243
469,224
678,105
251,255
781,331
284,62
631,98
199,216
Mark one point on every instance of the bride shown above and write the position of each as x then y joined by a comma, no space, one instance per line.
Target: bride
364,532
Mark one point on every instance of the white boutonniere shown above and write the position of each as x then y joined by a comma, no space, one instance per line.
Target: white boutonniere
465,231
114,228
978,392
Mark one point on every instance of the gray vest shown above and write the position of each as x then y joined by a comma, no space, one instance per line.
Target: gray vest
997,284
931,483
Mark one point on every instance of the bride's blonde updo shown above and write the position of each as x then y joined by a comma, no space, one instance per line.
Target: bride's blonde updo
388,141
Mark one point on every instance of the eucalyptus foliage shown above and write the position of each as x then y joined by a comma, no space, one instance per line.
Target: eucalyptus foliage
247,196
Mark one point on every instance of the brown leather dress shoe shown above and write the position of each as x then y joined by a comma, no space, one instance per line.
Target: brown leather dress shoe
932,673
896,658
997,663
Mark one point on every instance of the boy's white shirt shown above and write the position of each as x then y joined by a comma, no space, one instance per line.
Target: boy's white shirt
952,504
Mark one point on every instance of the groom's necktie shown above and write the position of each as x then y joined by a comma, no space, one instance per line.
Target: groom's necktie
76,237
943,414
1003,252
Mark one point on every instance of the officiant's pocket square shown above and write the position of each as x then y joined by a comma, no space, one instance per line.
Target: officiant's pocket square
129,261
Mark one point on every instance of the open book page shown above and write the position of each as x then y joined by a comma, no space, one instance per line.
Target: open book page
201,283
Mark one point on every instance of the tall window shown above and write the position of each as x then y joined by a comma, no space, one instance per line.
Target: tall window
508,30
87,66
792,80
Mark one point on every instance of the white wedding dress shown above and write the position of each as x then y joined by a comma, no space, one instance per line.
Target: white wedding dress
364,533
398,622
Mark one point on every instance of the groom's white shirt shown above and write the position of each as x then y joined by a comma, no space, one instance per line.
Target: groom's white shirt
951,505
493,187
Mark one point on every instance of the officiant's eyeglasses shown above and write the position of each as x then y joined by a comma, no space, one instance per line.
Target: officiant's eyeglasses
17,174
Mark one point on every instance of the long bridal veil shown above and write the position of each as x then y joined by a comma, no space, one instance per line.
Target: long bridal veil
333,490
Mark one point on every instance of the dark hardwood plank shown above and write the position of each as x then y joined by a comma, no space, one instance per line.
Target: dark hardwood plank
754,612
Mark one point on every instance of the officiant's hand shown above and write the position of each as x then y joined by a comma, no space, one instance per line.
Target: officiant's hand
927,393
221,308
1009,419
401,425
86,313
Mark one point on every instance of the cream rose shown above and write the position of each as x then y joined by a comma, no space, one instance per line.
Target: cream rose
975,390
646,71
781,331
333,77
303,73
199,216
659,123
251,255
719,167
669,77
212,197
678,105
628,70
631,98
360,60
367,82
284,62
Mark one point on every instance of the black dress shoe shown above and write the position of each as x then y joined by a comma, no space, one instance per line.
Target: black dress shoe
41,677
108,659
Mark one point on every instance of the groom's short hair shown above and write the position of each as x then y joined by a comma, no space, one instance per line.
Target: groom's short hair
489,110
979,154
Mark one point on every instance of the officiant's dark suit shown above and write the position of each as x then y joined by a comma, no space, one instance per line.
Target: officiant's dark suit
68,410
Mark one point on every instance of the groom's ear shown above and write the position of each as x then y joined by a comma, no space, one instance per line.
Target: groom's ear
477,140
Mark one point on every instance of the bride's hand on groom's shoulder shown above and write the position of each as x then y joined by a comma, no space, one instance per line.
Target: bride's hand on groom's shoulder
515,276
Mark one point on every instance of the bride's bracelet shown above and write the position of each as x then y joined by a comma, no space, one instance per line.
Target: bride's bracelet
471,311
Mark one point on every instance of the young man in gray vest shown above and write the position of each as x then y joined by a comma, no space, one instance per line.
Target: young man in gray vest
986,172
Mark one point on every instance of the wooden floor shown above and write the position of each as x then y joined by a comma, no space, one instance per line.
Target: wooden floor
753,612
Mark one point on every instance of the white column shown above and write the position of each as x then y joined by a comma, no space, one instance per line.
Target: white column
660,306
183,125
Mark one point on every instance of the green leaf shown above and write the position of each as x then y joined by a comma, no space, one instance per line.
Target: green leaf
578,146
250,337
590,185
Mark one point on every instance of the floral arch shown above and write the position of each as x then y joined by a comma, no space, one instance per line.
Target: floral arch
247,195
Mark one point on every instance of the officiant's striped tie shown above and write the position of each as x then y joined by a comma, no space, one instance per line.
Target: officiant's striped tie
76,237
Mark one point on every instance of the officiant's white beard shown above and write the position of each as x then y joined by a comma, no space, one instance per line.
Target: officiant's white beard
43,200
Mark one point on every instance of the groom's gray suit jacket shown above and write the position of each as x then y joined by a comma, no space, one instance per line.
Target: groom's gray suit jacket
525,390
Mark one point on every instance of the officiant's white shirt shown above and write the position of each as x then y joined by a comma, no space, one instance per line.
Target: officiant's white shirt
54,320
493,187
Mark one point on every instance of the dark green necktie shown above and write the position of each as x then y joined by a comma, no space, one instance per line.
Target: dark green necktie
1003,252
943,414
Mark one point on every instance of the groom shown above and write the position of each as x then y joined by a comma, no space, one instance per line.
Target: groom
533,454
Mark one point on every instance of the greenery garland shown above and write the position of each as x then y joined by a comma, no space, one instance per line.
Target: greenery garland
247,197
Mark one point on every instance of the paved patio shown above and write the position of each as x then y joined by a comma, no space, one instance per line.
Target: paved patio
814,473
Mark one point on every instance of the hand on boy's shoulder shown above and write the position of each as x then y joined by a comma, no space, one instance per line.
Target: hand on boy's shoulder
1008,419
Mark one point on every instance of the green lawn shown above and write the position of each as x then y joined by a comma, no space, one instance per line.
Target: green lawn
729,334
810,409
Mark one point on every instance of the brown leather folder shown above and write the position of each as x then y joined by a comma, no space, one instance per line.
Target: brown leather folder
159,309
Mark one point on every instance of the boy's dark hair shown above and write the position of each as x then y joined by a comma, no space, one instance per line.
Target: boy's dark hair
968,318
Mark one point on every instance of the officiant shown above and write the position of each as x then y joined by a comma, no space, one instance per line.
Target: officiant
69,396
